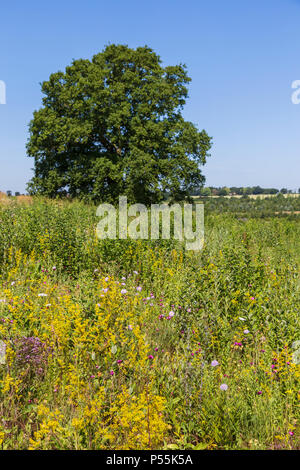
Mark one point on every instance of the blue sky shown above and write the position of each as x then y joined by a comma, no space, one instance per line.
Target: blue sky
242,57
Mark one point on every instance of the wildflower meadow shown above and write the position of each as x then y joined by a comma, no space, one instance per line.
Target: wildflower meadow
137,344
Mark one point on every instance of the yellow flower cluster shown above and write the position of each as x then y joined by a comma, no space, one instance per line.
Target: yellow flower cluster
85,364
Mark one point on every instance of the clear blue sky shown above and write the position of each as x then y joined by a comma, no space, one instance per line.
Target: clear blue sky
242,56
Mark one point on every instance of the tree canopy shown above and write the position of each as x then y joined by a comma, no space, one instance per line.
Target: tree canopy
113,125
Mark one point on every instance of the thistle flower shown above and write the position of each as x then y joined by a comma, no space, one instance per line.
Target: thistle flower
171,315
224,387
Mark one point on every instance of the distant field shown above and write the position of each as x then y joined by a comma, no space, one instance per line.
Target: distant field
4,199
254,207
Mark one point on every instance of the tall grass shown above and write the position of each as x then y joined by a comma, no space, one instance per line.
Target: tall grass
141,344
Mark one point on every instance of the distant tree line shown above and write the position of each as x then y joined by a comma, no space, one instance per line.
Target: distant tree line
239,191
17,193
220,191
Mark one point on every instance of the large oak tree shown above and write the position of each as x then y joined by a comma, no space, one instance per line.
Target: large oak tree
113,126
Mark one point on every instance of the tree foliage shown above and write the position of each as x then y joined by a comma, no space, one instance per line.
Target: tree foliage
114,125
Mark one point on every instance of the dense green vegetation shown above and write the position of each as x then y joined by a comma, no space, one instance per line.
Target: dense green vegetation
113,125
141,344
